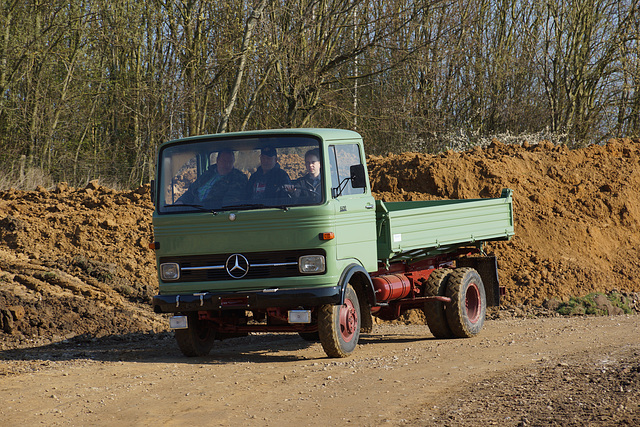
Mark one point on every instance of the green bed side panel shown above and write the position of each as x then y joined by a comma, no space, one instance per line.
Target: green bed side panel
403,227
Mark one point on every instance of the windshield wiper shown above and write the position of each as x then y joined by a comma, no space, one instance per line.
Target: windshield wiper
283,207
243,206
248,206
188,205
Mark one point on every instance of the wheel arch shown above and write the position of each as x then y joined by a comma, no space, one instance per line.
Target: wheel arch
360,280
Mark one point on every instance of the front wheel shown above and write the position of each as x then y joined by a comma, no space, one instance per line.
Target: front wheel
197,339
468,307
339,325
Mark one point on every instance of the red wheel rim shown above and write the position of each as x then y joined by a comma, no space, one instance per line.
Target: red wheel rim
472,303
348,321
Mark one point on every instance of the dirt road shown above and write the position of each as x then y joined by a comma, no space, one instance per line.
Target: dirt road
544,371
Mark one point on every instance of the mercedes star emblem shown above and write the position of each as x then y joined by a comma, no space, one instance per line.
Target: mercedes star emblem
237,266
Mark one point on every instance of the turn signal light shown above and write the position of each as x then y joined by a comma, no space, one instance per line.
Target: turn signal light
327,236
154,245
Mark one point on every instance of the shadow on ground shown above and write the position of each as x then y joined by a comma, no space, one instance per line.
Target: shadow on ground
162,348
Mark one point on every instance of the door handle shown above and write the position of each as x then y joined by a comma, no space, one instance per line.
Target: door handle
368,206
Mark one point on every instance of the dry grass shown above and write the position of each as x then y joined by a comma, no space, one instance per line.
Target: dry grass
34,177
26,179
463,140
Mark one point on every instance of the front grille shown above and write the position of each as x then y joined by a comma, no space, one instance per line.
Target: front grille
261,265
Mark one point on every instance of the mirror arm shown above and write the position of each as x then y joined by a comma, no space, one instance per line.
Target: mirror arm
337,191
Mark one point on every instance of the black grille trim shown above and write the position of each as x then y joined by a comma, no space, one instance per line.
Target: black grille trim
262,265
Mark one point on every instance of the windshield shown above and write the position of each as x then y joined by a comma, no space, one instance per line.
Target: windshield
234,174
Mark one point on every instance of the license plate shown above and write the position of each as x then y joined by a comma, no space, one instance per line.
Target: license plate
299,316
178,322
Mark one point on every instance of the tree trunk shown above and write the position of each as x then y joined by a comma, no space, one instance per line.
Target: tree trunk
256,15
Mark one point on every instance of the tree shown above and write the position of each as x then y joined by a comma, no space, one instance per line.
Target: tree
579,53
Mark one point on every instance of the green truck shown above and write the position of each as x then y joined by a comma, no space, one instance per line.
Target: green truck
278,231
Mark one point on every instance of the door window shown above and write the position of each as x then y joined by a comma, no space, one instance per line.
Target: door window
341,158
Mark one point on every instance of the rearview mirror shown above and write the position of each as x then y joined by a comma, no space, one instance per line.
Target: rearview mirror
153,191
358,176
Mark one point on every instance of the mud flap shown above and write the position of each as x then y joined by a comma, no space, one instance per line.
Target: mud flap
487,267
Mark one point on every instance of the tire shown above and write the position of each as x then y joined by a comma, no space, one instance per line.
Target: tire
197,339
468,307
309,336
434,311
339,325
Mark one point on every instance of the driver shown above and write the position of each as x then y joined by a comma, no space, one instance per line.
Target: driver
267,183
222,184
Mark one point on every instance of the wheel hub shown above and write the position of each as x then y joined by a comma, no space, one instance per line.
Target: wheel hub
348,321
472,303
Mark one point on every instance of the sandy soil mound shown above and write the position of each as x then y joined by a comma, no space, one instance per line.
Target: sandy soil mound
76,261
577,211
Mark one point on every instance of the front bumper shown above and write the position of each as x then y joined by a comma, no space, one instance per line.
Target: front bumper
247,300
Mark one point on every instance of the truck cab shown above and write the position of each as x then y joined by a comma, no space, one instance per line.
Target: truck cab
271,247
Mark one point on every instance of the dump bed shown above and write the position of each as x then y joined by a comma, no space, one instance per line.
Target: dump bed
411,230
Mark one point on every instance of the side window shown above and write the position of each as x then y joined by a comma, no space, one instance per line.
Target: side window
341,158
179,172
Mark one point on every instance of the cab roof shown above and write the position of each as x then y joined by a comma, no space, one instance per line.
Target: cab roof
322,133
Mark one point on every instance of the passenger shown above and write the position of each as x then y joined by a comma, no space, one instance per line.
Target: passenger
267,184
309,187
222,184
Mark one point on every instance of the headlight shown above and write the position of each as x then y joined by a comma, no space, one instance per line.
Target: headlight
311,264
170,271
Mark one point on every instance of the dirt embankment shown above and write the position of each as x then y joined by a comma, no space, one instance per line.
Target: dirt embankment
577,211
76,261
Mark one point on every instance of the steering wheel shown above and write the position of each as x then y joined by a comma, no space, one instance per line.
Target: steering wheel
282,190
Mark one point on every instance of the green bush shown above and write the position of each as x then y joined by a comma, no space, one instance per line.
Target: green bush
593,304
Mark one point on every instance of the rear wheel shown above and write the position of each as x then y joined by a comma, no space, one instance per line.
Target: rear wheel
197,339
339,325
434,310
468,307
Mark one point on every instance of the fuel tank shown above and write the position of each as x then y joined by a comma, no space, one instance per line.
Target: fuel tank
391,287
